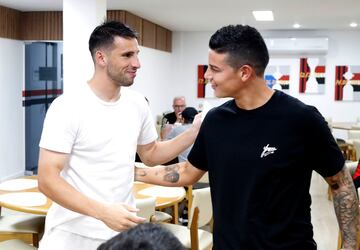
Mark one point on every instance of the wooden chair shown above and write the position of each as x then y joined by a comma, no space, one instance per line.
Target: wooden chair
200,215
146,208
15,245
21,227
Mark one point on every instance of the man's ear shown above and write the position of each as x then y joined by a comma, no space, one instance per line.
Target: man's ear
245,72
100,58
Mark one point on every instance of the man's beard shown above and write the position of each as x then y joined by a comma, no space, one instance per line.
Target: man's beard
120,79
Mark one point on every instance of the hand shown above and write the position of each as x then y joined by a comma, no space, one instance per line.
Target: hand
120,216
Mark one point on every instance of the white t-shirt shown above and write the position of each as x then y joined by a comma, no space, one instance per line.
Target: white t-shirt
101,139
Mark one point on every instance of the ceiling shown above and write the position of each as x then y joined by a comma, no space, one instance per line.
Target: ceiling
209,15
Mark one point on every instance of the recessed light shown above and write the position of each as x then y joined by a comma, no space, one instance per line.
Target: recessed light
263,15
353,24
296,25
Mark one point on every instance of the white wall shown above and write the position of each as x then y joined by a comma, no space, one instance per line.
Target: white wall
191,48
12,129
156,79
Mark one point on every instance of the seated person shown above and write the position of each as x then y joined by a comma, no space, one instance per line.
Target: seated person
187,117
146,236
179,105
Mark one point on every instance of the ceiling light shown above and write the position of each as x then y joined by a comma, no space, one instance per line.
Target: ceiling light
263,15
353,24
296,25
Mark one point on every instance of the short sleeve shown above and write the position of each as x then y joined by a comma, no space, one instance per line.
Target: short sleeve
197,156
148,132
58,132
326,156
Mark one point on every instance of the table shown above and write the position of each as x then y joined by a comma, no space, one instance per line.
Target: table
139,192
342,125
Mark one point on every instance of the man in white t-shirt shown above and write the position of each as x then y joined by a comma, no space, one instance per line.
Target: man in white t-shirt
88,145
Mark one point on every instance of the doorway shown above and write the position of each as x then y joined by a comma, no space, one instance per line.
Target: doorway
43,83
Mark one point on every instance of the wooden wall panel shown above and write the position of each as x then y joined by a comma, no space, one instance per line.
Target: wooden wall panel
48,25
134,22
42,25
149,34
9,23
160,38
116,15
168,41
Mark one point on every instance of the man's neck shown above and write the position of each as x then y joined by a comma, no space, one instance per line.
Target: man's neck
254,95
104,88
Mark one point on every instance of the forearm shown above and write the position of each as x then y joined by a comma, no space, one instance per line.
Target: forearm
346,208
172,175
164,151
59,191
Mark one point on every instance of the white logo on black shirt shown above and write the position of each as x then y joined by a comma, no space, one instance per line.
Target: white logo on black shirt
267,150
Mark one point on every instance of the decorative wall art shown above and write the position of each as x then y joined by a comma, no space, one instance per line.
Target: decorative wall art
347,83
278,77
312,75
204,87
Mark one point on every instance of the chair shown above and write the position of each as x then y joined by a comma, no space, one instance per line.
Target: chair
20,226
356,143
200,215
15,245
353,134
146,208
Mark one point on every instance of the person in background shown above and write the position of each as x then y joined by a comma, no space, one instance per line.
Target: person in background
259,174
146,236
187,117
170,119
88,145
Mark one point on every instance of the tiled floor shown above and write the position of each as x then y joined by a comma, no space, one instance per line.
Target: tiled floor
323,215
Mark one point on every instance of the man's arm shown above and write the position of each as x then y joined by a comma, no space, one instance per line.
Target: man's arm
180,174
116,216
159,152
346,207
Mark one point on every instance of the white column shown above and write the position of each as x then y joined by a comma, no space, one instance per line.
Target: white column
80,17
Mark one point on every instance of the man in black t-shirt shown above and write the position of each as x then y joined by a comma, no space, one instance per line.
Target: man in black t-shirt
260,150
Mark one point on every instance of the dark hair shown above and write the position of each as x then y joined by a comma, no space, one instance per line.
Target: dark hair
243,44
146,236
103,35
188,114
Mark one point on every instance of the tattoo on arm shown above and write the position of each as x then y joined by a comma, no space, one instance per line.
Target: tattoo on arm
139,173
172,173
346,206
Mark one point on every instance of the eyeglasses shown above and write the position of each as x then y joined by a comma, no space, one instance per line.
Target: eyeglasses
178,106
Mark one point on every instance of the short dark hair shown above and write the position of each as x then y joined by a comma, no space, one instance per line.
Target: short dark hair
103,35
243,44
146,236
189,114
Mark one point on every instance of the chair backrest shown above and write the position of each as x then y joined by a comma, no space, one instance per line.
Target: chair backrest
146,207
356,143
353,134
204,178
202,201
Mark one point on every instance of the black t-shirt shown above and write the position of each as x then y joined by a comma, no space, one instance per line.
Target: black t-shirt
169,118
260,163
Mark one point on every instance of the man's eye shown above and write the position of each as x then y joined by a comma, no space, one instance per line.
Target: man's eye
127,55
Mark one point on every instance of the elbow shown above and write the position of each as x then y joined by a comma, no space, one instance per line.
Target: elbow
42,185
